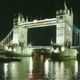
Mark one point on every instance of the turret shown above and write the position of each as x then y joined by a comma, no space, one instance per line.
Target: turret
26,18
15,20
64,25
20,18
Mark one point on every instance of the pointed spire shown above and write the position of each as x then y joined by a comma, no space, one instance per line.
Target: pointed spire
22,18
19,18
71,11
26,18
15,19
61,11
65,4
57,13
65,7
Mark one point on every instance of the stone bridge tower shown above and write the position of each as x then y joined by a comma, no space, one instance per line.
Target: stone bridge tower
20,33
64,26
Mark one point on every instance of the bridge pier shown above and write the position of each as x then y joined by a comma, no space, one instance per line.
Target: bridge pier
66,54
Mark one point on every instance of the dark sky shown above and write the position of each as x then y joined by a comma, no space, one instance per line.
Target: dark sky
41,36
33,9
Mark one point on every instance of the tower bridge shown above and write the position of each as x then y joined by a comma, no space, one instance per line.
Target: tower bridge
65,32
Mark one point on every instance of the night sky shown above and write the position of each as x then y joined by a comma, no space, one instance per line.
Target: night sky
39,9
42,36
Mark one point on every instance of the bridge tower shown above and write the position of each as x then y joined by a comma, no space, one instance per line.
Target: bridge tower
19,34
64,26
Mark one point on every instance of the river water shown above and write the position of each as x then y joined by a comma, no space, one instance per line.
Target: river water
40,68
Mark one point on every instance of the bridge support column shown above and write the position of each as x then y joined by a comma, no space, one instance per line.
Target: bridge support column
23,33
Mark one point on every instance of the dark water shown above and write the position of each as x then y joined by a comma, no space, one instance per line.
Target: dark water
39,68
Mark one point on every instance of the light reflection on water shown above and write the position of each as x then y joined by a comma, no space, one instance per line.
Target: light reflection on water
40,68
